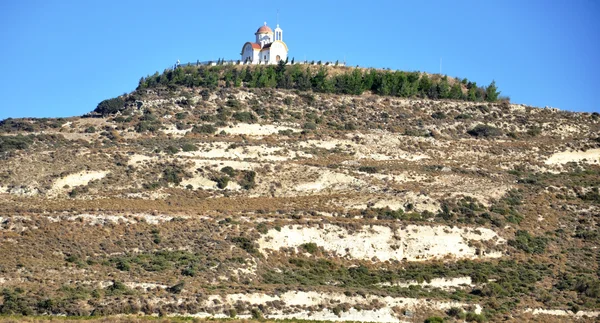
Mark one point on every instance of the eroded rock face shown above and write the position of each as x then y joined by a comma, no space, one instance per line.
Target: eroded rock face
381,243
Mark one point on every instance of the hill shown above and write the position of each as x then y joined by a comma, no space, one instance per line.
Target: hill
314,193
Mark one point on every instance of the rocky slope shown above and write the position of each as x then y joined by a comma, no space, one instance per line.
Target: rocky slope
237,202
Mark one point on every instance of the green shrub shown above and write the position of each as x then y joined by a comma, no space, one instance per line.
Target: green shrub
222,181
245,244
19,142
189,147
472,317
455,311
205,128
228,170
177,288
256,314
417,132
248,180
232,313
438,115
123,265
117,288
151,126
233,103
368,169
309,126
310,247
244,116
262,228
463,116
434,319
485,131
351,126
14,125
173,175
110,106
14,303
534,131
171,150
526,242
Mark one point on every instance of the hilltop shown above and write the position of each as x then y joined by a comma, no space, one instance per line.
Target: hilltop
303,192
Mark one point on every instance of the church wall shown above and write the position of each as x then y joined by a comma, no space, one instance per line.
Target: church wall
277,49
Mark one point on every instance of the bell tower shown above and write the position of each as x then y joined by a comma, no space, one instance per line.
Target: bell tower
278,33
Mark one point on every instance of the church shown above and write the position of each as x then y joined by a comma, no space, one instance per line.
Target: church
268,48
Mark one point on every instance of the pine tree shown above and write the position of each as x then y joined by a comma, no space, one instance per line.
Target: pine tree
491,92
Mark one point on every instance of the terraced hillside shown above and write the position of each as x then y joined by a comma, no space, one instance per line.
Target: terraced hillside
229,201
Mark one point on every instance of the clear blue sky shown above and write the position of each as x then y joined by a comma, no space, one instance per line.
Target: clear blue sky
62,57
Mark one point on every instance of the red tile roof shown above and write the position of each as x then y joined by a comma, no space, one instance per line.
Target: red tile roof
264,30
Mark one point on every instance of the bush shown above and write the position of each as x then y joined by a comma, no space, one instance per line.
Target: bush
463,116
434,319
310,247
262,228
205,128
455,311
233,103
248,181
438,115
19,142
177,288
228,170
189,271
117,288
222,181
245,244
110,106
173,175
368,169
14,303
485,131
350,126
524,241
189,147
245,116
171,149
256,314
472,317
145,125
309,126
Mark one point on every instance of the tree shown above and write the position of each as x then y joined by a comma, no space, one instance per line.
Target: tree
424,85
491,92
110,106
444,88
456,91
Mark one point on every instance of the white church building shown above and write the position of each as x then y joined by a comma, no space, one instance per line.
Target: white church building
268,48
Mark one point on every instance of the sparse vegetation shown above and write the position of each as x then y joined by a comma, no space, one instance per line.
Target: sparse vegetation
109,216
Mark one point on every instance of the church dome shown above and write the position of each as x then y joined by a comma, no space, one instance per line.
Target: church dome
264,30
